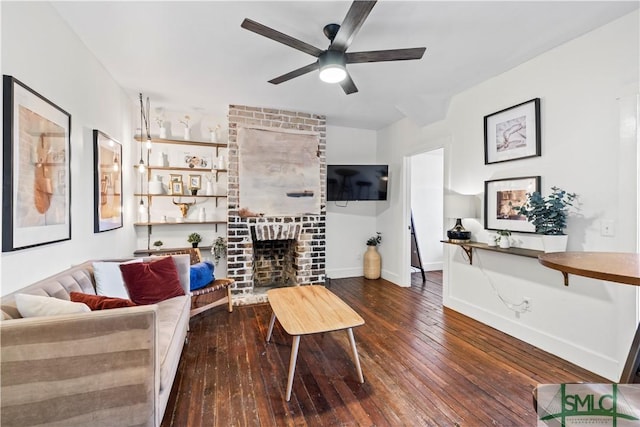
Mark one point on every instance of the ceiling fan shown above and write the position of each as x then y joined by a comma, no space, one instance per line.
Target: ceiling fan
332,61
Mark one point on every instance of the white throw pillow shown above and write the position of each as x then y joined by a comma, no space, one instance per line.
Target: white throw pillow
36,306
109,281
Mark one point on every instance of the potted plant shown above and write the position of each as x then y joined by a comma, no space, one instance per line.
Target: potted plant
219,249
549,216
194,239
502,239
372,260
158,244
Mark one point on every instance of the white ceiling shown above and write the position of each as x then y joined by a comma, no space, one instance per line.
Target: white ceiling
195,56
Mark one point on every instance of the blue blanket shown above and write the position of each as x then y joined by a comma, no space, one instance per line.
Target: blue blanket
201,274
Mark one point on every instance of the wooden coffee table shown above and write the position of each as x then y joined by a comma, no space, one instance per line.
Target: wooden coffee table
304,310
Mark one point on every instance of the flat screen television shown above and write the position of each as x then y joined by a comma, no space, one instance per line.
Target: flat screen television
357,182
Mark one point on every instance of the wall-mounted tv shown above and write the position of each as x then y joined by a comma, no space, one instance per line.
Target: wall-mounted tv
357,182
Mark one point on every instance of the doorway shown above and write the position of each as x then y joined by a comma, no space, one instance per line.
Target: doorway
426,201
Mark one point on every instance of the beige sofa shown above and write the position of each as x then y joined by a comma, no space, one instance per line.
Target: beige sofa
107,367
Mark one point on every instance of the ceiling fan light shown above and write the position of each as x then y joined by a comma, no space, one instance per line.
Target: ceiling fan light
333,73
332,66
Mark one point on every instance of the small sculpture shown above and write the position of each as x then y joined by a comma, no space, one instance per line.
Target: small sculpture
184,207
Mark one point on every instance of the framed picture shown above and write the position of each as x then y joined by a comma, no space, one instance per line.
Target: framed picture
36,169
195,182
177,188
501,196
513,133
107,183
175,177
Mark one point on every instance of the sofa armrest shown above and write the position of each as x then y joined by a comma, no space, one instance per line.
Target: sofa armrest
97,368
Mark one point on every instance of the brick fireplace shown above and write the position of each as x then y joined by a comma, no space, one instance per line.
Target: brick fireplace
269,251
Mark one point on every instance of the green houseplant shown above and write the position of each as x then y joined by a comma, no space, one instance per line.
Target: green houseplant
375,240
548,214
503,239
158,244
194,239
219,249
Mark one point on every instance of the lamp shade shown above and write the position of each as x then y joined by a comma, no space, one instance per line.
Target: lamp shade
459,206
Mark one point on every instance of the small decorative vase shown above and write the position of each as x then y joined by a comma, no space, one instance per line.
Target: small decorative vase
504,242
221,163
187,133
202,215
209,189
492,240
557,243
163,132
155,185
214,136
372,263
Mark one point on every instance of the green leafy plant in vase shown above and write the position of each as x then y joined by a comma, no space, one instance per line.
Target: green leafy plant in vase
372,259
158,244
194,239
549,215
375,240
502,239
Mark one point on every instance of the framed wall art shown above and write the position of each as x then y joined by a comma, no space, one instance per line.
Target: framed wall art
36,169
107,182
513,133
501,196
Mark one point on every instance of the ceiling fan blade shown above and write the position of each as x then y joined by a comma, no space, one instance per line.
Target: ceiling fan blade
385,55
351,24
295,73
348,85
272,34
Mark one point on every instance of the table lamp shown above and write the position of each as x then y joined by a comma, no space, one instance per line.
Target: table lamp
459,206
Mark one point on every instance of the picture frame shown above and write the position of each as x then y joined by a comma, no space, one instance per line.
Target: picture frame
513,133
107,183
175,177
36,170
195,182
500,198
177,188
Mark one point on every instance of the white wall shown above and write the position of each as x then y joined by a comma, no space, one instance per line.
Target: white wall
348,228
427,172
587,88
39,50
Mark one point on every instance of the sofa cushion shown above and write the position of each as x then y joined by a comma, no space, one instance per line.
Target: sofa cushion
151,282
100,302
36,306
172,317
109,280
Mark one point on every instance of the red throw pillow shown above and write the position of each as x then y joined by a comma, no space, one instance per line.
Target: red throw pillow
100,302
151,282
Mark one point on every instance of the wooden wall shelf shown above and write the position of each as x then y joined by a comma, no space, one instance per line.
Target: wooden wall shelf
143,252
183,142
469,246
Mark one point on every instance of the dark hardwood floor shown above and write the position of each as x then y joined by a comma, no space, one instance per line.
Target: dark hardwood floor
423,365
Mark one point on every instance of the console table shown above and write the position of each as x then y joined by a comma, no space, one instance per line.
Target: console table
468,247
610,266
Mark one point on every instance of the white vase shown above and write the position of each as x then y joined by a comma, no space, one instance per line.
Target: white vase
155,185
202,215
163,132
209,189
491,241
187,133
214,136
504,242
221,163
555,243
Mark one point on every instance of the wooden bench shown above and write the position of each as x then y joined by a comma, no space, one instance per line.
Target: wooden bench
214,294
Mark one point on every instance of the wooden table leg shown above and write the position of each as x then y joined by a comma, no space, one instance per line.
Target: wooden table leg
271,322
292,364
356,359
